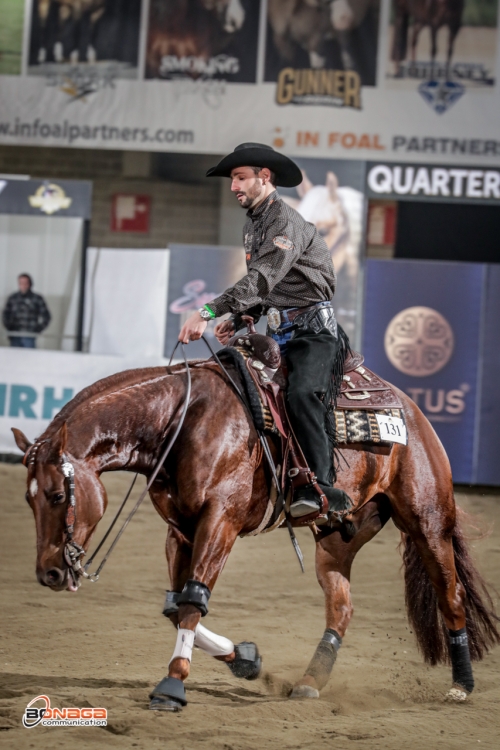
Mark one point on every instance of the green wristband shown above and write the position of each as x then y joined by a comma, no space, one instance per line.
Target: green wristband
212,314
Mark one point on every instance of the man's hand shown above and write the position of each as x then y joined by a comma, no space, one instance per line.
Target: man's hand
223,331
193,328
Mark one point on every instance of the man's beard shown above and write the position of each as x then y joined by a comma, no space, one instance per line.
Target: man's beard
250,195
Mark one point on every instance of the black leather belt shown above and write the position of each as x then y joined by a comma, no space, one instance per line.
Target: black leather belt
288,316
316,317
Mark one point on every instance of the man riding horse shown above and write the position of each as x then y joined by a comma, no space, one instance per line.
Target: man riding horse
290,277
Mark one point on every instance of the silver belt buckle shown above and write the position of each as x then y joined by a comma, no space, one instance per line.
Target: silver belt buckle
273,318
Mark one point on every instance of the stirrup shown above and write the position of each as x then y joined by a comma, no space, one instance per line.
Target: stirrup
304,507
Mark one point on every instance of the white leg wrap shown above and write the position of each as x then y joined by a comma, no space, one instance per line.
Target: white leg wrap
211,643
184,645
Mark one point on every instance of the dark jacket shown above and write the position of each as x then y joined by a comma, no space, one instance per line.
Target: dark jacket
26,313
288,262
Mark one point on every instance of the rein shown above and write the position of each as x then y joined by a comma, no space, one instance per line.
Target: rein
73,551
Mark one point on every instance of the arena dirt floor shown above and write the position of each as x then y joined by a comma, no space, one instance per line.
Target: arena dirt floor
108,644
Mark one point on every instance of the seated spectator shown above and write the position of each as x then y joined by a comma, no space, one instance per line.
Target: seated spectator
25,315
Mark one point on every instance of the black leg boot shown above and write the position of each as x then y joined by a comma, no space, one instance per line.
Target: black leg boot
310,358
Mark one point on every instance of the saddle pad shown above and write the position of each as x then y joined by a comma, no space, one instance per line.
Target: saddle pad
355,422
361,426
239,356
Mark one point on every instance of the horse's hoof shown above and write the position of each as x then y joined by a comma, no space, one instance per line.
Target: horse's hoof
247,663
304,691
168,695
456,694
164,703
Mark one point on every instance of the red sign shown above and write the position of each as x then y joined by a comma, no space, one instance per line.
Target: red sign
130,213
382,224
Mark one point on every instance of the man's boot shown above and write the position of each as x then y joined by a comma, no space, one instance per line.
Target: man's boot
306,501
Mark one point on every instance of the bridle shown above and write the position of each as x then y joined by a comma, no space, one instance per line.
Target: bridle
72,551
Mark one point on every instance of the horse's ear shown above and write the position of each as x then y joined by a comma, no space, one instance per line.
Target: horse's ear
305,185
22,441
59,441
332,184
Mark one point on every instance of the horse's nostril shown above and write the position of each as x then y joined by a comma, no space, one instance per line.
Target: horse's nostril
54,577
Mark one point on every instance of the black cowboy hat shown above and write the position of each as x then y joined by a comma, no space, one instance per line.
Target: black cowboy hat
259,155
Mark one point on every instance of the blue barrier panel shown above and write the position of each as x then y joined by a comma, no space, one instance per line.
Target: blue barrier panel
422,323
487,458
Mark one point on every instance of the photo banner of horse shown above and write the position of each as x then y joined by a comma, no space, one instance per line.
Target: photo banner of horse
402,80
331,196
431,328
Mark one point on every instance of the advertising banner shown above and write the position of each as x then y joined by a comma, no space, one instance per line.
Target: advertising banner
443,66
60,198
487,447
439,184
188,41
11,37
335,79
320,54
35,385
198,274
331,197
83,45
422,332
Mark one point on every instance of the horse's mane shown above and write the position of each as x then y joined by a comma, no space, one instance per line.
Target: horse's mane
97,388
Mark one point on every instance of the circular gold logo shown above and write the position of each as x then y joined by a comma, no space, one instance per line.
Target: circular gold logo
419,341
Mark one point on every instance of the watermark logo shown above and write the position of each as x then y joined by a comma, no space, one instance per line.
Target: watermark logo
48,716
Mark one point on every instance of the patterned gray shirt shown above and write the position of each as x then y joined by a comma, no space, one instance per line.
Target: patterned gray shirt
288,262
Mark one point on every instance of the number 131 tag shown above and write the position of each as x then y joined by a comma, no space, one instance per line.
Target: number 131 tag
392,429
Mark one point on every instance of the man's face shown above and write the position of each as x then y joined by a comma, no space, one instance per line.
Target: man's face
24,284
247,185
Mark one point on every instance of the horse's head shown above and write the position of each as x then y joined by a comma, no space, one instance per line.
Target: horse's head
65,516
230,12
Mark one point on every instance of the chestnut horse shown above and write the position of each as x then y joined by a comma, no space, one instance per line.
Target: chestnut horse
215,486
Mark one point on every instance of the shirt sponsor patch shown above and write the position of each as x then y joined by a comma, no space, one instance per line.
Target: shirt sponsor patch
283,242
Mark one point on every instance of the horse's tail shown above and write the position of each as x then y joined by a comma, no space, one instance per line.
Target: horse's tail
422,604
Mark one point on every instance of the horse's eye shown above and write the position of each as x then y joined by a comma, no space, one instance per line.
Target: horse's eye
27,497
58,498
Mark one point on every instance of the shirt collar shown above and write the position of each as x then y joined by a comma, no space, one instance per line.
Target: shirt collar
254,213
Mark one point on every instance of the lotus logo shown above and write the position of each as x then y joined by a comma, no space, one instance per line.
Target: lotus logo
419,341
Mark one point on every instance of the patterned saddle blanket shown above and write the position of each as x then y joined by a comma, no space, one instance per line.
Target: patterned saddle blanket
363,396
